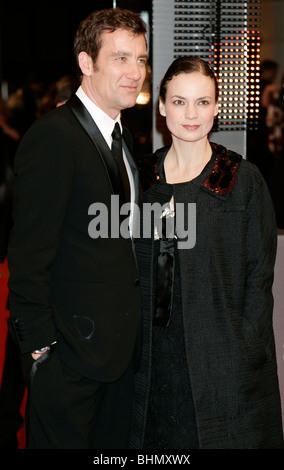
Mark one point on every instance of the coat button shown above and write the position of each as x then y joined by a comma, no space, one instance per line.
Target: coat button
136,283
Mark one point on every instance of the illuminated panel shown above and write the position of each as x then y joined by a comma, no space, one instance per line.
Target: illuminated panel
227,35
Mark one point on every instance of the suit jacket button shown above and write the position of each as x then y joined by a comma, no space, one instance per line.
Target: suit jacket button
136,283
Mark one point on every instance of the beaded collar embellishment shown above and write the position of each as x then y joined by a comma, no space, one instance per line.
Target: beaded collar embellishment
224,173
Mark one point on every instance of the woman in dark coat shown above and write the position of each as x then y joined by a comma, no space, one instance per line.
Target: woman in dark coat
208,373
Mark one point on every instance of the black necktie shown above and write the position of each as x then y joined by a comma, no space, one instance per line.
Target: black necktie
116,148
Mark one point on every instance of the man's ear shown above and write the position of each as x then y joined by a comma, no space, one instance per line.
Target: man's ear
85,63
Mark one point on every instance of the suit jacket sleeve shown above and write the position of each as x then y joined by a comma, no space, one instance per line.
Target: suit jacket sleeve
44,169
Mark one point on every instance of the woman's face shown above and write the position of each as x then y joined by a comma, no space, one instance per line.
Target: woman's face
190,106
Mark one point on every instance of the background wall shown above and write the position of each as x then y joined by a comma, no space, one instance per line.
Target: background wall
272,32
278,292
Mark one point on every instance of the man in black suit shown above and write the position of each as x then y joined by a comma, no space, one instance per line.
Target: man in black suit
74,299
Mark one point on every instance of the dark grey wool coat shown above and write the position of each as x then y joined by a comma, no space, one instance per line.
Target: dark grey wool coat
227,303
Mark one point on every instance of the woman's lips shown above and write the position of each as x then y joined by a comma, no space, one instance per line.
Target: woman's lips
191,128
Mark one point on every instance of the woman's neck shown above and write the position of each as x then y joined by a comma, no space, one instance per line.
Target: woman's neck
186,160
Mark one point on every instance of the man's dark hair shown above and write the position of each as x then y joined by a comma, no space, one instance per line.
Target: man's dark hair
88,36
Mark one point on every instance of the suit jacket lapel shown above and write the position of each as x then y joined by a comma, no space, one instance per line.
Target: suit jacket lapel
87,122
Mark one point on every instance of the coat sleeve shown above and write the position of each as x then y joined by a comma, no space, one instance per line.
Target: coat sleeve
261,254
43,167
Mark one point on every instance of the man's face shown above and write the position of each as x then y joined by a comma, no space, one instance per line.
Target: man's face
119,72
